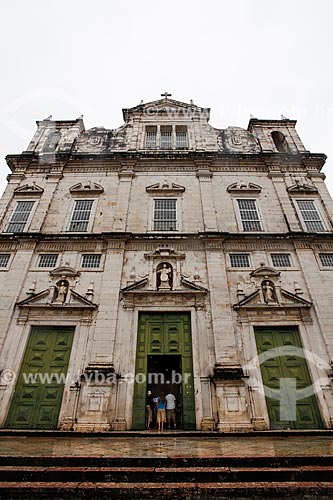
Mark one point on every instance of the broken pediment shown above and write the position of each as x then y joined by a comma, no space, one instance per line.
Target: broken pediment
86,187
165,188
301,187
29,189
45,298
265,271
244,187
284,299
65,271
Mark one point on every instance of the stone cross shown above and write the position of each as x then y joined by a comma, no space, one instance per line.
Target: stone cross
166,95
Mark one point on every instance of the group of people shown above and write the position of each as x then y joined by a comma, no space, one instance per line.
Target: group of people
162,409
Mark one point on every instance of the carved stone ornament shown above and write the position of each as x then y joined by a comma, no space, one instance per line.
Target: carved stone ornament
65,272
244,187
29,190
301,187
86,188
165,187
239,140
92,141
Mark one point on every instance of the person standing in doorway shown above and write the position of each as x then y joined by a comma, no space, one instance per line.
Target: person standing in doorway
149,409
170,400
161,412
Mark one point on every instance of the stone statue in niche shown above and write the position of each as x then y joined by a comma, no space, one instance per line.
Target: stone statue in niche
268,290
164,276
62,291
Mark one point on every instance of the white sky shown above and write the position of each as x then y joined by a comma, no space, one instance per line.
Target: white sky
259,57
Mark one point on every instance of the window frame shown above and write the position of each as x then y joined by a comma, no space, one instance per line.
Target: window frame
8,264
321,266
91,216
302,220
166,198
12,212
239,217
239,254
284,254
173,144
37,266
98,268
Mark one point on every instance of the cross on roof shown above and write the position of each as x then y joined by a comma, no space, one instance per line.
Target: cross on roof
166,95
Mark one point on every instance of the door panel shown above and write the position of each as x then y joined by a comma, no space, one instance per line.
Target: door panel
165,334
293,370
38,392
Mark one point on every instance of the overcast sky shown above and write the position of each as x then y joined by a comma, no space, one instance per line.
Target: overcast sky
259,57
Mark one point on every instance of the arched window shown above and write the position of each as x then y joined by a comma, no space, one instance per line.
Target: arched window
52,142
280,142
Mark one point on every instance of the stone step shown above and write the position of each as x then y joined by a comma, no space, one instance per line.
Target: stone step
166,474
159,491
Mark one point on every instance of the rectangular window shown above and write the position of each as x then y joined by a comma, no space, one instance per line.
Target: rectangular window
310,214
91,260
20,217
326,259
47,260
81,215
239,260
165,215
166,138
4,259
151,134
249,215
281,260
181,137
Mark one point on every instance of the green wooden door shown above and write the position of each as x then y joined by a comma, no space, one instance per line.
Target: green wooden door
38,392
164,334
287,379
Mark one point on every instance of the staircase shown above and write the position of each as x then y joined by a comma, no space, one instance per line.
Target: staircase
23,477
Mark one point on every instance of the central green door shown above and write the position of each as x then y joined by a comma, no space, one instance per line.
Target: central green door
38,393
286,379
164,334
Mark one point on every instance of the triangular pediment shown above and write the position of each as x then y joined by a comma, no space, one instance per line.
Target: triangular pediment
165,106
192,285
29,189
45,299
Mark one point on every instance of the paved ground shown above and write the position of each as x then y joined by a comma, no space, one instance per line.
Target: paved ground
166,445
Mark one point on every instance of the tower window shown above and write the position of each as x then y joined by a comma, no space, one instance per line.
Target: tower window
81,215
181,137
310,214
165,215
151,137
20,217
280,142
249,215
166,137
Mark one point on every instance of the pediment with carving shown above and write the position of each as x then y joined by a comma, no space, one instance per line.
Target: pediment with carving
65,271
49,298
244,187
165,187
301,187
88,187
265,271
165,252
29,190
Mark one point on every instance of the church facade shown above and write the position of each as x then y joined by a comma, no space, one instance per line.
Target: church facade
166,255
